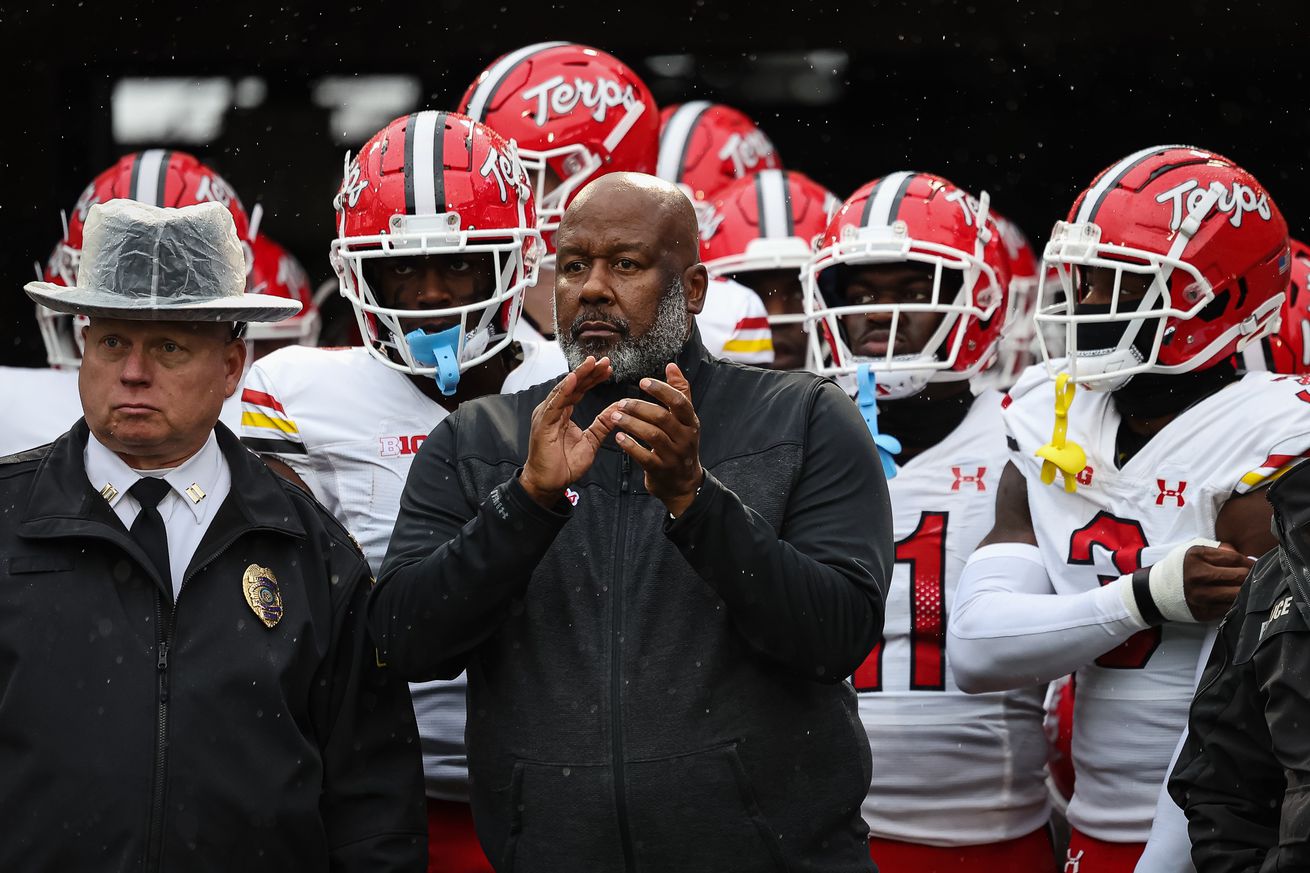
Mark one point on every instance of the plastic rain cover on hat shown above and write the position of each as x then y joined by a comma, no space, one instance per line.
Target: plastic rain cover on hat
151,263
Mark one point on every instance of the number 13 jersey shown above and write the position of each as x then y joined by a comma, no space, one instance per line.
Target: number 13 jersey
949,768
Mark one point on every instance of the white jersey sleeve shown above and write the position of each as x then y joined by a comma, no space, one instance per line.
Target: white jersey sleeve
267,428
734,324
1132,698
543,361
40,405
950,768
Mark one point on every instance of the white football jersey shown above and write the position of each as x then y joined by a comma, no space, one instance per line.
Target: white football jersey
949,768
1132,701
734,324
41,404
349,426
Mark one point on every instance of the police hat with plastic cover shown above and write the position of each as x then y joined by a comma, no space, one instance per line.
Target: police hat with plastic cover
150,263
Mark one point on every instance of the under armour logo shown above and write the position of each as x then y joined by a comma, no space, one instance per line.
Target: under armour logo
1167,493
1303,379
1073,862
572,496
975,480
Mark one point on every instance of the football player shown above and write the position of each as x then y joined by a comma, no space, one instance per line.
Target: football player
916,281
274,270
1287,350
1127,510
703,148
1018,346
577,113
762,233
436,241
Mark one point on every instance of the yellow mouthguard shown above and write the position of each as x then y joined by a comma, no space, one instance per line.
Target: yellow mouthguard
1062,453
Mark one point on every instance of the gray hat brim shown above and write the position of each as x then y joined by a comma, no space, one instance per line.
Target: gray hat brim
105,304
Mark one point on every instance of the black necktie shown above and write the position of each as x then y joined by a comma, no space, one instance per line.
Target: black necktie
148,529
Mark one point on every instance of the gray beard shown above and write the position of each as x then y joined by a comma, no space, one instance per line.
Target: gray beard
634,358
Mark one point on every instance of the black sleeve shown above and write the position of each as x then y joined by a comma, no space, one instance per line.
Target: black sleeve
453,569
372,802
1226,778
813,595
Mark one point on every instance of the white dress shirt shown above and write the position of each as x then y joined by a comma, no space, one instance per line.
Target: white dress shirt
200,484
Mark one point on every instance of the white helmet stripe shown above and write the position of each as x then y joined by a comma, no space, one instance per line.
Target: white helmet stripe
886,198
149,176
423,135
493,77
676,136
630,116
773,204
1092,202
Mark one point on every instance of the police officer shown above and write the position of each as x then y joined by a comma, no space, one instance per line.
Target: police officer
186,681
1243,774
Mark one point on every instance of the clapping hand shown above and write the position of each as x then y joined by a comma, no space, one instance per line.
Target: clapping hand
663,438
560,452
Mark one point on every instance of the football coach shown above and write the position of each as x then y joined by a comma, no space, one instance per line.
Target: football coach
658,572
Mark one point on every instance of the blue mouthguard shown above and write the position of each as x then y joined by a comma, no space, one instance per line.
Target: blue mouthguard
439,350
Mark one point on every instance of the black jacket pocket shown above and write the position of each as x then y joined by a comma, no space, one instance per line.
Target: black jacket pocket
697,813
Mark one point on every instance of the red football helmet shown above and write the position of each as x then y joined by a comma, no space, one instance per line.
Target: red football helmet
768,221
1017,348
1209,239
575,112
1288,350
160,177
918,218
276,271
436,183
704,147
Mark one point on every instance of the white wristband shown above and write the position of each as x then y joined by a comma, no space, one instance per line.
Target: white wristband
1167,582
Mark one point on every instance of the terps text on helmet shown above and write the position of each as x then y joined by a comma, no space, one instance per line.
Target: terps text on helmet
1236,200
557,96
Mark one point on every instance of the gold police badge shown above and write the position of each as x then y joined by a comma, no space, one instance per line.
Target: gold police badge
260,587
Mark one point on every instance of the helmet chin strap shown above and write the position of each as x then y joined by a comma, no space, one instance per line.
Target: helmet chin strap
439,350
867,399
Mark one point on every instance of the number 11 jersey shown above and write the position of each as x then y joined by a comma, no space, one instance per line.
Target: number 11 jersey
949,768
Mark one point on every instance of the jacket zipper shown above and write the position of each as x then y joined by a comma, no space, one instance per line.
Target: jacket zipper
616,673
166,618
155,826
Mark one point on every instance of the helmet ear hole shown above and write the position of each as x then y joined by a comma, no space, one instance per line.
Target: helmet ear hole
1215,309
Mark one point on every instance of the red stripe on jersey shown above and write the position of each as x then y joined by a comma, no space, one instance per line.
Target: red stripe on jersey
1006,401
754,323
1278,461
259,398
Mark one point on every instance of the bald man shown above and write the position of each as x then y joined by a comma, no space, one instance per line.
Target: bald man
658,573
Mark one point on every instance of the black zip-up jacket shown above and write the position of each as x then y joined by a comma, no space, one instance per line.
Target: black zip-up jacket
647,694
1243,775
142,734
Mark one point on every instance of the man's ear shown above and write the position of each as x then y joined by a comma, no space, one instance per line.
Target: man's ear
234,360
695,282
